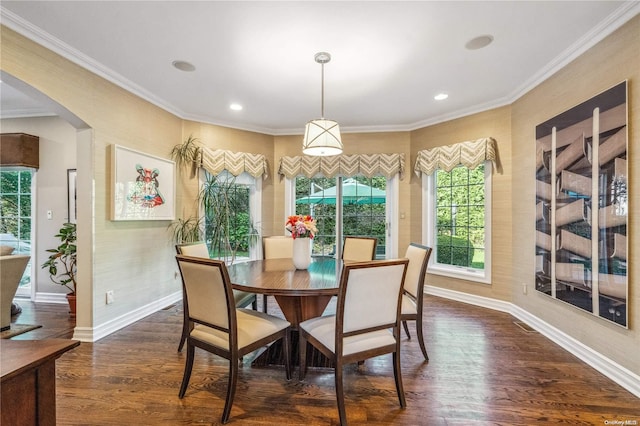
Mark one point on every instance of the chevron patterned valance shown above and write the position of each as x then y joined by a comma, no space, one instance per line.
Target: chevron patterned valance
215,161
469,154
368,165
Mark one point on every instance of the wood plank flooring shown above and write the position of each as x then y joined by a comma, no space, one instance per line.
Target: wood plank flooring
483,370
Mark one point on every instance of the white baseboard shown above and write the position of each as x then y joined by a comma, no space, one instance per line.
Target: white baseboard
50,298
619,374
92,334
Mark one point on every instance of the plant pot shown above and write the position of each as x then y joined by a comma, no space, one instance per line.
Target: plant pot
301,253
71,298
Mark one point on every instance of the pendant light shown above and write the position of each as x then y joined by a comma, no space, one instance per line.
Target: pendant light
322,136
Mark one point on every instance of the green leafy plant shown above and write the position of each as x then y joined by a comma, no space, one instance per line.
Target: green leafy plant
455,251
186,230
61,263
224,227
228,230
186,153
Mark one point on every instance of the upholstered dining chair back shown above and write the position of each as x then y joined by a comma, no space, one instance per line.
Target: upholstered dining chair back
369,297
277,247
242,298
418,256
218,327
413,297
198,249
359,249
209,299
366,323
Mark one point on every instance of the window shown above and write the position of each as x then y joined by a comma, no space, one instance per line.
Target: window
15,214
229,205
457,222
364,210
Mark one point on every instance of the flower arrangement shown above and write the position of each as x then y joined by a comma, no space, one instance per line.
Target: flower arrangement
301,226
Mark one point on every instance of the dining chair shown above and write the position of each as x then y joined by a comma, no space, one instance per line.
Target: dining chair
359,249
413,294
242,298
366,323
276,247
219,327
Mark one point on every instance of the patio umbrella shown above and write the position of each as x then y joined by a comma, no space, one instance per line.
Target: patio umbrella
353,192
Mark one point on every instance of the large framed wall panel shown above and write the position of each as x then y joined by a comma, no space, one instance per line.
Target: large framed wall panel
581,206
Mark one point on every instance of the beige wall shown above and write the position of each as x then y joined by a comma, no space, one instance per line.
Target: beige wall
135,259
217,137
613,60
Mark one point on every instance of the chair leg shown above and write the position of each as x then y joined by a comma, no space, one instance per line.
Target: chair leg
421,338
231,390
188,366
185,329
340,394
264,303
397,373
183,338
254,304
302,350
406,329
286,347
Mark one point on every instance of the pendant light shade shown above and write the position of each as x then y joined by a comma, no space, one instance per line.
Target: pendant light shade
322,136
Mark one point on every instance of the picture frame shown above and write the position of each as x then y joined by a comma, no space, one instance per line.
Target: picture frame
72,194
143,186
582,206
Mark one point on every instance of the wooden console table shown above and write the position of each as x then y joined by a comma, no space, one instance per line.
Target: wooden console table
28,394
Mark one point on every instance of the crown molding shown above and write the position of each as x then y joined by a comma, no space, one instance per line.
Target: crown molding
614,21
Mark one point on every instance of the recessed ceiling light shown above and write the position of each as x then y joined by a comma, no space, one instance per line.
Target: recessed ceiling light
479,42
183,66
440,96
236,107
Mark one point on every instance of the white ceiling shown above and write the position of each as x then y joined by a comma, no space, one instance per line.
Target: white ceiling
389,58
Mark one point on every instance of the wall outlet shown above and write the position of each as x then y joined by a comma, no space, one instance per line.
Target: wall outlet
109,297
524,288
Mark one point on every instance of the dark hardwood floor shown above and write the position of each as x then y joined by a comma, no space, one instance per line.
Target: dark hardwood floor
483,370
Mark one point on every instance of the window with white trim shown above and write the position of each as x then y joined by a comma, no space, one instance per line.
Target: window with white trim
365,210
235,201
456,221
17,193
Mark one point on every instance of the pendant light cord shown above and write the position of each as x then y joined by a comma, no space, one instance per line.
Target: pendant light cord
322,91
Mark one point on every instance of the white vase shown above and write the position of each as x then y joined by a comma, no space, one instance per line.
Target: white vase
301,253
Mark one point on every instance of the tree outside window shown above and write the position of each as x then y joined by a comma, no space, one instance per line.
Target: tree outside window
228,227
363,213
460,217
15,213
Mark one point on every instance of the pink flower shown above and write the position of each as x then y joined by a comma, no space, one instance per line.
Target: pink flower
301,226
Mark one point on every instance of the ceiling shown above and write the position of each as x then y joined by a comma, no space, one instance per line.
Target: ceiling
389,58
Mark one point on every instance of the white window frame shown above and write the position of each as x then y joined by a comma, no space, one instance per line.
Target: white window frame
255,204
392,208
29,290
429,232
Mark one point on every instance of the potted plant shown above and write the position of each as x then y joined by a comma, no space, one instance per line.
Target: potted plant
61,263
225,231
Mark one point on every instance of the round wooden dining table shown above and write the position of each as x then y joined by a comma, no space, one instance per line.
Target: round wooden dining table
301,294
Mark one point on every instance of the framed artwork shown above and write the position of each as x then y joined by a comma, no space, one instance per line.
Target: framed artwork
143,186
71,195
581,206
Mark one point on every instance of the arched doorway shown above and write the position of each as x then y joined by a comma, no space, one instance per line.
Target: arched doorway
83,142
